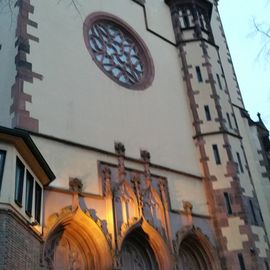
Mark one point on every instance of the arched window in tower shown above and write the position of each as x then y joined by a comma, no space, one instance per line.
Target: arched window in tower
118,51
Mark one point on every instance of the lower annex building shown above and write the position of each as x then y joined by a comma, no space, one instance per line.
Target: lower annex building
124,141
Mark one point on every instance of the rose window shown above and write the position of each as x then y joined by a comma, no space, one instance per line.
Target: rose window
118,51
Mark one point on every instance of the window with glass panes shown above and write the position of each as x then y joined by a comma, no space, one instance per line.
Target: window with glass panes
2,164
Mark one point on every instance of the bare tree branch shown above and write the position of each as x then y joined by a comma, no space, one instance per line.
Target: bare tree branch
259,28
263,29
75,4
6,7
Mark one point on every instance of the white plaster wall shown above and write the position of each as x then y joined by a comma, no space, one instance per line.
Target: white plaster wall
159,19
224,98
8,176
224,55
234,238
194,58
70,161
245,181
187,189
77,102
218,170
54,202
8,24
261,184
203,97
261,243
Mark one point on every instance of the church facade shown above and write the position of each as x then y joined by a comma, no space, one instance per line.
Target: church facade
124,140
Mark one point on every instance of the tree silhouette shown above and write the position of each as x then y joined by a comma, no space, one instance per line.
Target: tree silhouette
10,4
263,29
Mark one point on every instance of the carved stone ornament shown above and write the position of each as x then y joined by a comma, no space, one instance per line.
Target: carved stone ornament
54,218
106,181
126,207
187,207
188,212
136,186
163,187
145,156
75,185
102,224
119,148
153,210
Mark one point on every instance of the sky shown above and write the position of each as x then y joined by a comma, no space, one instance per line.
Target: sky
252,67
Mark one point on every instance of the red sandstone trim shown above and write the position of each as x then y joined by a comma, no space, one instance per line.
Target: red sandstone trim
21,117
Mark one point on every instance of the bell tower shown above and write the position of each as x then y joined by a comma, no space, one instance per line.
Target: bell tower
228,183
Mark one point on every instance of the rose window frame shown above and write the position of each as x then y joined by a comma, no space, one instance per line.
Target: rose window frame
118,51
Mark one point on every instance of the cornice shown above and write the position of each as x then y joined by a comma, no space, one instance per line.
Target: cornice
21,139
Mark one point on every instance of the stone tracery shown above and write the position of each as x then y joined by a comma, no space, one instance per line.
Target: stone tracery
136,253
64,253
194,251
116,52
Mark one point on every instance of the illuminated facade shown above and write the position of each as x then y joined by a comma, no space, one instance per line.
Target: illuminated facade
124,141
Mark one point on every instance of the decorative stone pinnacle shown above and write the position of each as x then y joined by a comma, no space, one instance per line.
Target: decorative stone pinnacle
188,212
75,185
260,118
187,207
119,148
145,156
107,181
107,172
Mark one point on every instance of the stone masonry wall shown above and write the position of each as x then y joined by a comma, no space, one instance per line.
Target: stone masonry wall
19,248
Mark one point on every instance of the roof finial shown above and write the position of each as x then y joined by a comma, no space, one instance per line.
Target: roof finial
259,116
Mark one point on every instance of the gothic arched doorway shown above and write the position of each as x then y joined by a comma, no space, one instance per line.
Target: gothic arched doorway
192,256
64,251
195,252
136,253
76,242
